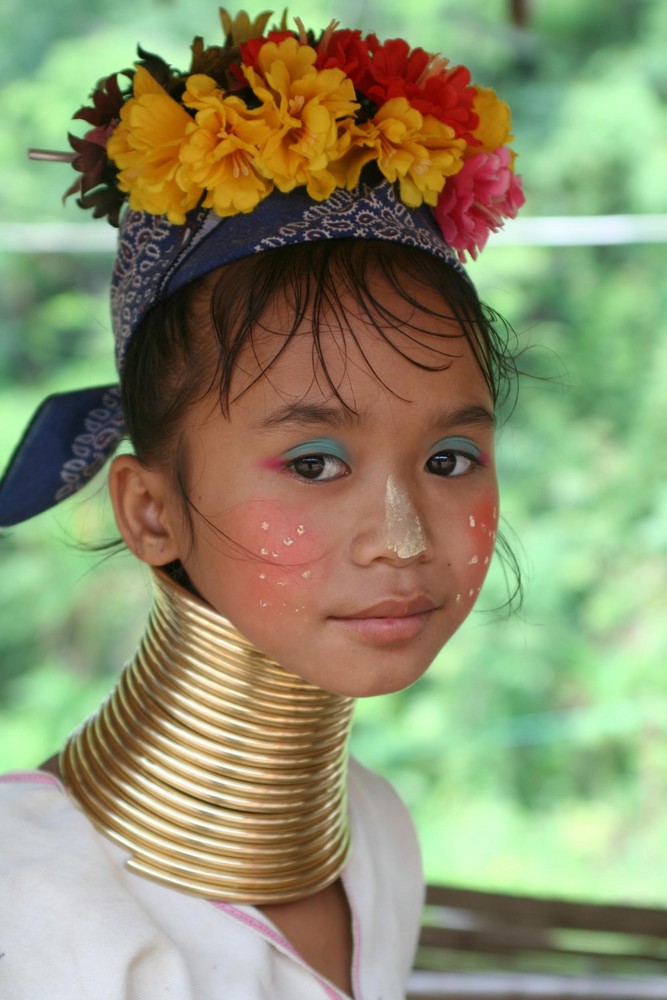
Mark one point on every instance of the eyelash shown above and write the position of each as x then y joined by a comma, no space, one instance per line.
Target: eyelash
318,461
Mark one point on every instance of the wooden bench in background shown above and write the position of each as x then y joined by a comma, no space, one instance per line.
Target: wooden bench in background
481,944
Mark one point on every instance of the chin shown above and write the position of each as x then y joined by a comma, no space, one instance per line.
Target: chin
368,681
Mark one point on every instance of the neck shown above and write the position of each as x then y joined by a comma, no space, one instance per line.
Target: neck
220,772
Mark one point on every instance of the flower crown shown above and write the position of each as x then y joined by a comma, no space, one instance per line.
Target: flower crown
282,109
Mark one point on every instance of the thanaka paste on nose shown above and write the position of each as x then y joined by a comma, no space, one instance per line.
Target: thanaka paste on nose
403,533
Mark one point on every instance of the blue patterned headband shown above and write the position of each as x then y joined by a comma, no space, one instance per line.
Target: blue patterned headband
72,434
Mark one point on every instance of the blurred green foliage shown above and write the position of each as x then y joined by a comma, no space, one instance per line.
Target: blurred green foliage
534,753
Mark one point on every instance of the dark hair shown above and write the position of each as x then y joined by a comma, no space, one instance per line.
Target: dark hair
170,365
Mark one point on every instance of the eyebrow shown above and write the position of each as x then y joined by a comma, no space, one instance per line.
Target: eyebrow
318,414
469,416
311,414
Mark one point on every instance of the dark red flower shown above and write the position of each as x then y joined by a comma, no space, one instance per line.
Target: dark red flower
96,180
91,155
90,162
107,101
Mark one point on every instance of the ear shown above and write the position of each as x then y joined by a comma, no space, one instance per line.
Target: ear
143,503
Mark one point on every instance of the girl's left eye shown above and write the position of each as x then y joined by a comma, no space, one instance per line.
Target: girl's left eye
455,456
451,463
318,468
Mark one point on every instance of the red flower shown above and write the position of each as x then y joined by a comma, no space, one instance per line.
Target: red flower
395,70
345,50
477,200
395,61
448,96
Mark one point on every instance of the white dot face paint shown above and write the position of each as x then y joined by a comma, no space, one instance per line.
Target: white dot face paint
403,533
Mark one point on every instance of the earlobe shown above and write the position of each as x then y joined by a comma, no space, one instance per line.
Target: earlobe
140,501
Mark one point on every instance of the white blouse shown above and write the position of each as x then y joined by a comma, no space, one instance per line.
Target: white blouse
75,924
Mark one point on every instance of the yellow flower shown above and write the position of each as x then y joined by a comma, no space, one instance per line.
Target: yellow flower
145,147
418,151
358,145
221,148
495,121
304,109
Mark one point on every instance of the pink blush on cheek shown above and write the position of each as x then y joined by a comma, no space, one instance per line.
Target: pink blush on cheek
284,542
481,533
284,554
483,521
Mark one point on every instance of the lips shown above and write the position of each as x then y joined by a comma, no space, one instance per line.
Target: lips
389,623
396,608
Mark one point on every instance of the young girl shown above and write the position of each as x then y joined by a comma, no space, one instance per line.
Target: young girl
308,382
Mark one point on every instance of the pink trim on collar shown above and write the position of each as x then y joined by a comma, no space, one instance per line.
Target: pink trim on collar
30,778
256,925
276,938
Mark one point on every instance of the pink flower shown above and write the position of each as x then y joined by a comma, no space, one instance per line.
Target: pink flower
477,200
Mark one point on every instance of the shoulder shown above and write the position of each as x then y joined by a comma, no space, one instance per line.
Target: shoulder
44,839
67,917
35,816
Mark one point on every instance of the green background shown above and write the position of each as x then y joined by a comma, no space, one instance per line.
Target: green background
534,753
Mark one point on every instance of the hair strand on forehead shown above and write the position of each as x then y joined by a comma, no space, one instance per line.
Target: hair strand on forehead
172,361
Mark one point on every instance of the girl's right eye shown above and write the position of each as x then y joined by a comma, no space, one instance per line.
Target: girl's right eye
318,468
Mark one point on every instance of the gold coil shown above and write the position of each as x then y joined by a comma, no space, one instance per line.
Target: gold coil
221,773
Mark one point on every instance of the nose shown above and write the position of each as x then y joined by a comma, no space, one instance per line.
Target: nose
390,530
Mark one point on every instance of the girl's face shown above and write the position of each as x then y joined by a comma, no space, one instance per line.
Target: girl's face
348,546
